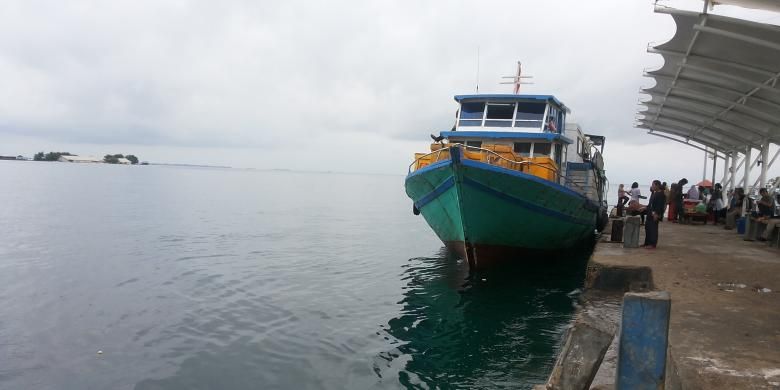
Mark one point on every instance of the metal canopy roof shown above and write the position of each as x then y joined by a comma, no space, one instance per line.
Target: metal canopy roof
769,5
718,86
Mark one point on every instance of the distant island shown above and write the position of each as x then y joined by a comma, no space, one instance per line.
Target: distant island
122,159
73,158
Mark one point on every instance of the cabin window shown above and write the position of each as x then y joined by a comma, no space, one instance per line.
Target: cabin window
550,123
529,114
561,121
558,154
500,115
471,114
542,149
523,148
476,144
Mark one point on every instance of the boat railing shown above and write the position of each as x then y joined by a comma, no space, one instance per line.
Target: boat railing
494,158
415,165
557,173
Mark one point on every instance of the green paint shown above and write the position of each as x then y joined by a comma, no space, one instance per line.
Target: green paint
443,214
487,217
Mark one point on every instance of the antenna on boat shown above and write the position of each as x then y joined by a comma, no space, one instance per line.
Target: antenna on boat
477,69
517,80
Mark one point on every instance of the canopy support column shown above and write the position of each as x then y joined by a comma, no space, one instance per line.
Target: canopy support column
768,166
746,179
734,168
724,181
777,153
744,182
764,166
714,166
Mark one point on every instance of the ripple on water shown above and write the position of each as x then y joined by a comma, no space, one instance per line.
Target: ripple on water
491,329
206,279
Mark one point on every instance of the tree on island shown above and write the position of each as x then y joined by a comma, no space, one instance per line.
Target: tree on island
112,158
51,156
54,156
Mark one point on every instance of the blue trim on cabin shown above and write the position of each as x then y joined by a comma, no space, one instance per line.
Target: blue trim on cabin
510,98
583,166
506,134
438,191
525,204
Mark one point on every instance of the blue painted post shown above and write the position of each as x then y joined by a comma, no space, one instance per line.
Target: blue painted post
644,336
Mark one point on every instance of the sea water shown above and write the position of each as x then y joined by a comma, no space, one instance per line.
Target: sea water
162,277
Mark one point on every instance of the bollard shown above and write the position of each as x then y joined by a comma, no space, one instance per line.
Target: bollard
643,341
631,232
617,230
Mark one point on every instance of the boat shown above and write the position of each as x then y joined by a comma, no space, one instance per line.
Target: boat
510,179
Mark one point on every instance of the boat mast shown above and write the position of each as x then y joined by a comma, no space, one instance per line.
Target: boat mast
517,80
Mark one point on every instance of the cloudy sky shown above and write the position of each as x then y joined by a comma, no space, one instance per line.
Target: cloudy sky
351,86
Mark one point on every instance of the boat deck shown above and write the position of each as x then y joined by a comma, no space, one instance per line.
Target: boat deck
725,329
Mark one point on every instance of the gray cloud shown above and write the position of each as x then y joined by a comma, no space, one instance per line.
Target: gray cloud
243,74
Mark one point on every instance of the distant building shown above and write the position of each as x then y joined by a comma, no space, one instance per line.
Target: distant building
123,160
80,159
19,158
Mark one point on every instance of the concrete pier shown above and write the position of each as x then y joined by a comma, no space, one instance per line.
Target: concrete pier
724,330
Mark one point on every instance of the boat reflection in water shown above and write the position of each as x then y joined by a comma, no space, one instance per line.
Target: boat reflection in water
495,328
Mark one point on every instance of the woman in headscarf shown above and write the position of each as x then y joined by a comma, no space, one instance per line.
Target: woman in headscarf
693,192
670,199
716,202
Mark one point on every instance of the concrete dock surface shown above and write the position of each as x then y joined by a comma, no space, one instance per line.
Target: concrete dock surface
724,331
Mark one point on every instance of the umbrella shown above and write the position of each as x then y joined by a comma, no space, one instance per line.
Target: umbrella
704,183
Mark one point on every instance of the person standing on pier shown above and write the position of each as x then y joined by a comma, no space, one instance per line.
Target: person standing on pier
716,202
671,200
655,214
622,200
678,201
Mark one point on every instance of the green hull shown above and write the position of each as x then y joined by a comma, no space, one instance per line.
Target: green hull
484,211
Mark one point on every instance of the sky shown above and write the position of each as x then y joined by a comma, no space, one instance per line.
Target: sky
346,86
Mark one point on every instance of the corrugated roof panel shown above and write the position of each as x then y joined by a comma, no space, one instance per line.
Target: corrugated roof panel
719,82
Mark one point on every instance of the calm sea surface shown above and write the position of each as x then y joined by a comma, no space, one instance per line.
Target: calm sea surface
196,278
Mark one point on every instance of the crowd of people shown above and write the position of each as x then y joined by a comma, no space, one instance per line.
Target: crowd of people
702,199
